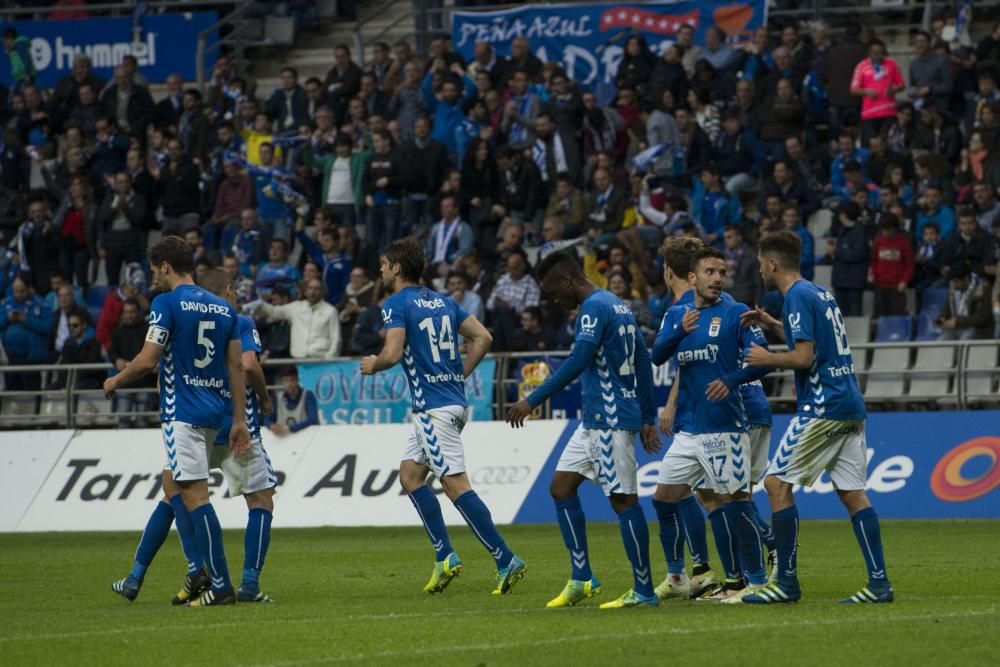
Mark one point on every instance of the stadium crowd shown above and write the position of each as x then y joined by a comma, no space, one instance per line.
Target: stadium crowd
493,163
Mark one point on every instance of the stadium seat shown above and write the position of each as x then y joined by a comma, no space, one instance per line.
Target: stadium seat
932,301
823,275
860,358
888,385
93,411
894,329
980,375
787,387
858,329
937,384
96,294
15,408
868,301
53,408
279,30
927,327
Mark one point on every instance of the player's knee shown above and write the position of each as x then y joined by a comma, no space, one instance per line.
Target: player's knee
778,489
854,500
708,499
263,500
670,493
621,502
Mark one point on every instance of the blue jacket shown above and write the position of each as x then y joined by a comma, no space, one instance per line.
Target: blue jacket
714,210
944,218
808,252
447,116
26,341
838,182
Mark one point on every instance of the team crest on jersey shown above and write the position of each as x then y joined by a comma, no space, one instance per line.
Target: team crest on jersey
386,315
588,325
793,322
256,337
715,326
154,317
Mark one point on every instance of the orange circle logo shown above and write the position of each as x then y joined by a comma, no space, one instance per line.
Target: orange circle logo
947,480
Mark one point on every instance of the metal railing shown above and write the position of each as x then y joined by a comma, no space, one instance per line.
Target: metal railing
109,8
70,407
236,40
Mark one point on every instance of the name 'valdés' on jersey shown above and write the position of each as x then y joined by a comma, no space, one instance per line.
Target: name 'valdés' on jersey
431,359
194,327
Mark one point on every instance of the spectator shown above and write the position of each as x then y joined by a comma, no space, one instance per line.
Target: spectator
523,197
892,267
178,190
75,227
84,114
132,287
521,58
636,65
450,238
369,329
329,253
67,91
967,313
714,207
691,52
514,291
65,306
603,129
876,80
199,252
384,180
985,205
930,75
933,210
784,185
119,225
193,128
446,105
669,77
167,112
343,177
791,220
847,153
315,323
459,287
481,191
939,138
555,152
717,52
605,208
276,271
295,407
839,73
486,59
25,320
128,103
531,336
234,194
343,81
695,147
360,294
731,152
969,245
408,103
81,348
567,206
742,268
127,340
36,250
289,104
22,65
900,133
109,152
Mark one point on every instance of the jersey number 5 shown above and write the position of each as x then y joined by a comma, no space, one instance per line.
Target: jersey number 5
204,341
442,343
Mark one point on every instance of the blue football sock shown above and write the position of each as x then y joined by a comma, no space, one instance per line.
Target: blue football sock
725,543
208,532
573,525
767,534
741,521
477,515
786,537
429,509
694,529
635,536
869,534
255,543
153,537
185,531
670,535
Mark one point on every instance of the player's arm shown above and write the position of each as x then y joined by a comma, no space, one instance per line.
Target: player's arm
763,319
674,328
392,352
312,414
670,409
644,382
583,353
800,356
143,364
239,436
255,378
479,342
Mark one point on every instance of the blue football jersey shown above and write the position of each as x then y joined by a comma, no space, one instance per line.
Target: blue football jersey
829,389
714,350
755,401
194,328
249,342
431,359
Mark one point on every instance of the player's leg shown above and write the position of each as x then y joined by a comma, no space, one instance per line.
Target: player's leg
575,466
189,449
678,469
726,542
848,472
760,443
153,537
447,564
618,477
696,535
196,581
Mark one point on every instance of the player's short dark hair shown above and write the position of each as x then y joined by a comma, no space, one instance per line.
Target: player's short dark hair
706,252
215,281
678,252
562,264
290,372
785,247
408,253
174,251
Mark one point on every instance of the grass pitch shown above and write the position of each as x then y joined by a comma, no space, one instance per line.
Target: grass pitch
354,596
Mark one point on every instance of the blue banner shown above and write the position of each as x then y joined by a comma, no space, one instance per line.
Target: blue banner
921,465
589,39
166,44
345,396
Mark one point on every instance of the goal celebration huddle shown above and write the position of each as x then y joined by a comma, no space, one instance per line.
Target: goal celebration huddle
714,431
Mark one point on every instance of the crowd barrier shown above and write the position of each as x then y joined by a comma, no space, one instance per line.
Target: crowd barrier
921,466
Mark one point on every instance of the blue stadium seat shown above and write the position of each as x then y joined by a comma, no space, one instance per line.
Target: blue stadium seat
96,295
927,327
932,301
894,329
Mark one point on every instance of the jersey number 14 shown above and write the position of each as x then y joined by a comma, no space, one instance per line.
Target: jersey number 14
443,342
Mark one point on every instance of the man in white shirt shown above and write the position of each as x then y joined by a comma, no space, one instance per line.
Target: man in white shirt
315,323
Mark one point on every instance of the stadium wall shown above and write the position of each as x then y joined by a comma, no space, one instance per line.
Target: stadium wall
921,466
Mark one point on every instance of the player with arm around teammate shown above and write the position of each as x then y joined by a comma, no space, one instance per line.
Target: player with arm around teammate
194,338
617,404
422,328
708,341
828,430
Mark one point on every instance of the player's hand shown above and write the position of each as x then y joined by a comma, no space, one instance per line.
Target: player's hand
760,317
239,439
690,320
717,390
265,405
758,356
650,438
368,365
517,413
110,386
667,420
